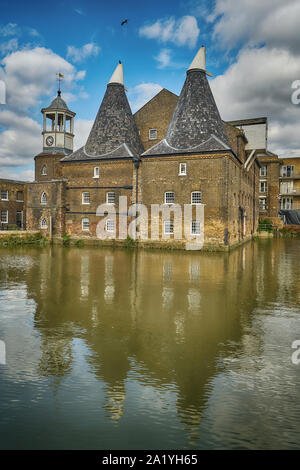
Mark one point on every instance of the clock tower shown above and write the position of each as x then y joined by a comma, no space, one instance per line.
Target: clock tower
58,127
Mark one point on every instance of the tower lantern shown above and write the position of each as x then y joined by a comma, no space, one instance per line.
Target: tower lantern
58,125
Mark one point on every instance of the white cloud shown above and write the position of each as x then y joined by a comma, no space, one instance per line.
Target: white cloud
82,130
8,46
142,93
20,140
30,74
254,21
24,175
182,32
79,54
10,29
259,84
163,58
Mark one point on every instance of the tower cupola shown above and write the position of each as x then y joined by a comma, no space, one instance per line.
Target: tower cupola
58,126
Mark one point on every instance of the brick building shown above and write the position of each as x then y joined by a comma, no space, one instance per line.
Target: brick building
196,160
12,204
289,183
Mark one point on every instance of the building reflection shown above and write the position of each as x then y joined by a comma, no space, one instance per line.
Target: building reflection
176,315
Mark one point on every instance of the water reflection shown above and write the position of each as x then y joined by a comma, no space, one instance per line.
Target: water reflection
185,326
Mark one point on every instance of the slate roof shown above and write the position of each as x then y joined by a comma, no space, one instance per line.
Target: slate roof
114,133
196,125
58,103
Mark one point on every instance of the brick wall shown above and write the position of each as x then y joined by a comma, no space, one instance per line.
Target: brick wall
16,191
156,114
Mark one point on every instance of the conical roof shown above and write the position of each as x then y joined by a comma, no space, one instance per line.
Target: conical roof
114,133
58,103
196,124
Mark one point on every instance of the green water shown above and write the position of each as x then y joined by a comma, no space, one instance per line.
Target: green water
109,349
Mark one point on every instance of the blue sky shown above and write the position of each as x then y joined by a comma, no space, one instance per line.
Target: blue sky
253,63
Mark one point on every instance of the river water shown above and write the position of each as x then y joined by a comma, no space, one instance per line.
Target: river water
125,349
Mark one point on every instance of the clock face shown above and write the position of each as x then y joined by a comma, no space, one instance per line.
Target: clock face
49,140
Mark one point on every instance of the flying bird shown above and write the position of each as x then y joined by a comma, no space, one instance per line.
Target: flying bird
123,22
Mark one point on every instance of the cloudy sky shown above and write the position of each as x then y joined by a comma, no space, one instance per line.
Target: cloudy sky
253,51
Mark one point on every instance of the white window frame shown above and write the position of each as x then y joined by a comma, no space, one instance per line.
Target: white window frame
168,193
182,169
108,225
192,194
265,203
109,196
170,224
192,225
265,172
96,172
85,224
84,198
44,171
265,183
285,169
44,198
286,187
286,201
44,226
6,217
150,135
4,191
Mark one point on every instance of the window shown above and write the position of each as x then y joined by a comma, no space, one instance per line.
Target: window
96,172
262,204
169,197
110,197
44,171
44,224
4,217
182,169
263,187
110,225
286,187
152,134
20,196
85,198
44,198
287,171
195,227
4,195
286,203
85,224
263,171
168,227
196,197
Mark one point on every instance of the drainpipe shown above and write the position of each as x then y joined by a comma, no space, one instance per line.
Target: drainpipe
136,162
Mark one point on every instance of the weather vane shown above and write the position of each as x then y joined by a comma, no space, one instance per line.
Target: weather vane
59,79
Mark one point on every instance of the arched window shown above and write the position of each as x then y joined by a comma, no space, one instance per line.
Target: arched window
44,170
44,224
44,198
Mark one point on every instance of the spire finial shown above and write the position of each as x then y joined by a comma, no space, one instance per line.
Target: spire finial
199,61
59,78
118,75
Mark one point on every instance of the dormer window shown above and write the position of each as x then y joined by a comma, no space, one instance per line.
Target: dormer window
182,169
44,171
44,198
152,134
96,172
